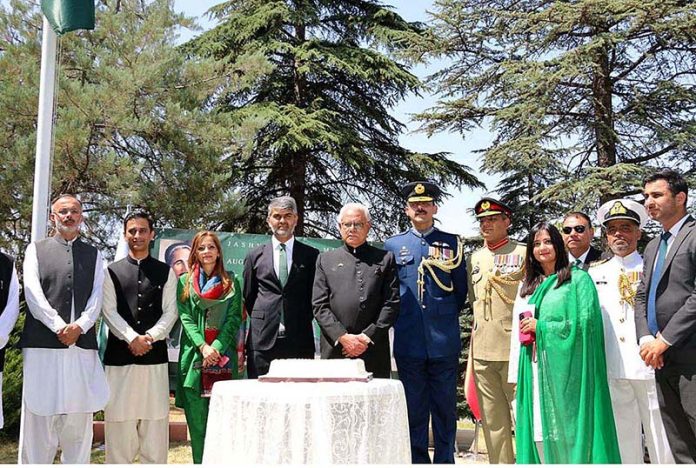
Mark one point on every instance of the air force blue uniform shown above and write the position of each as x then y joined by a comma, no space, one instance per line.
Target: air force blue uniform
427,339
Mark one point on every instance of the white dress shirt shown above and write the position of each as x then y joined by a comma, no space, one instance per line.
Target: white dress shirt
289,245
582,257
11,311
62,381
7,323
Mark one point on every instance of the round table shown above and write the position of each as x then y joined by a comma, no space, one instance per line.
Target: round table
254,422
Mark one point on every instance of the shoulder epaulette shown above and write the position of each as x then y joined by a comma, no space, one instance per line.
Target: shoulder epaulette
598,262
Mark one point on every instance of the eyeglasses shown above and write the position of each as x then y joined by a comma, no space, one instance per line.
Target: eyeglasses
579,229
357,226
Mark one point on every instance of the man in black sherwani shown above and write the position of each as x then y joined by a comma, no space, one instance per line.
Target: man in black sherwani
356,295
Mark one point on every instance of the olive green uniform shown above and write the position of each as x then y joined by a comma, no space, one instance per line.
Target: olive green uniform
494,279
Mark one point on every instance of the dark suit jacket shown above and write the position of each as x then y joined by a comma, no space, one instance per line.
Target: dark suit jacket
263,297
675,303
357,291
592,256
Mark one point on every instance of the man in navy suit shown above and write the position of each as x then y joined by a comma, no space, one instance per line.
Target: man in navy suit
433,283
278,279
666,309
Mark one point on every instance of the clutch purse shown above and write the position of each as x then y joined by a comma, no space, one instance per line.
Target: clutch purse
526,338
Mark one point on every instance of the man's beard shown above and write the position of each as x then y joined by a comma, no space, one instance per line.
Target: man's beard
63,229
282,231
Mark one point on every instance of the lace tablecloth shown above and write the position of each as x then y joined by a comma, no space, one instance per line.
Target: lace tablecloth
252,422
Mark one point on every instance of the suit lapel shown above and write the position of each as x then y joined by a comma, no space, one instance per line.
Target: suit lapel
683,232
268,260
296,252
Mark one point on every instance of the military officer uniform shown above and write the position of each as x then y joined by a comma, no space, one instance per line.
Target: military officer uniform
631,381
427,343
495,273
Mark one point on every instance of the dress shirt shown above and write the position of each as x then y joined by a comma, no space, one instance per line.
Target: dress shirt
289,244
73,376
674,231
11,311
582,257
120,327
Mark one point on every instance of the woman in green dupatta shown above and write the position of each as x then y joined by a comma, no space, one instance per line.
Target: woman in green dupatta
210,311
576,415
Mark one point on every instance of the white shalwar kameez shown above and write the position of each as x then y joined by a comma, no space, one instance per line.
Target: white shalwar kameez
62,388
137,415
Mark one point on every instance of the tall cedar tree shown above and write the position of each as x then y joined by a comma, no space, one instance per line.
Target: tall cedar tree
321,90
129,129
583,96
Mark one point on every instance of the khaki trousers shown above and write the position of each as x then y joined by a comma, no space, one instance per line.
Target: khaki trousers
495,396
125,439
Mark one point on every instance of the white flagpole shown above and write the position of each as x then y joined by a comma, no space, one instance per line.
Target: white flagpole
44,134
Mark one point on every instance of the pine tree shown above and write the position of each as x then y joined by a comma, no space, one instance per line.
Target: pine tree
319,78
583,96
129,125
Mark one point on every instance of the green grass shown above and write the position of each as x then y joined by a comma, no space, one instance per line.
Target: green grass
179,453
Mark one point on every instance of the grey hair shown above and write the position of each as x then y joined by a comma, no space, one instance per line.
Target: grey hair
282,203
353,206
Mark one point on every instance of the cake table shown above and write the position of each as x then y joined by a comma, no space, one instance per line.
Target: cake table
253,422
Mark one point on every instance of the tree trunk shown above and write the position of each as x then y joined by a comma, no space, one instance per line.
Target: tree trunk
603,112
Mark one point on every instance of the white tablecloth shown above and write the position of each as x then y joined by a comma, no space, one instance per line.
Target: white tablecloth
252,422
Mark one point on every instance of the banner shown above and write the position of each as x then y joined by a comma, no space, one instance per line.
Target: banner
173,246
68,15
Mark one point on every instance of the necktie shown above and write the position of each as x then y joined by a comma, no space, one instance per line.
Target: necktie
283,277
283,265
578,263
654,280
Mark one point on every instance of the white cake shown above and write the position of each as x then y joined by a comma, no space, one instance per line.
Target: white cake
317,370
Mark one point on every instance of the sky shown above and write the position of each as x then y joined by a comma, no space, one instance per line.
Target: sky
454,213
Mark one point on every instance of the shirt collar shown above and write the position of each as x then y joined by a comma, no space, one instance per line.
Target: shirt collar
288,244
581,257
357,250
62,240
629,261
677,226
133,261
426,233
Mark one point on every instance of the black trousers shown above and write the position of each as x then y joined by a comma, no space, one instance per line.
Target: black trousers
676,393
258,362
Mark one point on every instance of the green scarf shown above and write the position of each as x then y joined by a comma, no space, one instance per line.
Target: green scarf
577,419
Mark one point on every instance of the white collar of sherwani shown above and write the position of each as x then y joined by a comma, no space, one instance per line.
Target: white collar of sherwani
629,262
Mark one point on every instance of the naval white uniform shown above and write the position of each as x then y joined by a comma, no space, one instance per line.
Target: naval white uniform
631,381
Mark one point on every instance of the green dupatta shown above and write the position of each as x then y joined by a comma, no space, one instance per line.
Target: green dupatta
577,419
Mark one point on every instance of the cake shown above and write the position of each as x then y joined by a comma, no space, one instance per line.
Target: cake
317,370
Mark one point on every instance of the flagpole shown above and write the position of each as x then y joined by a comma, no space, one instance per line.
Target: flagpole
44,134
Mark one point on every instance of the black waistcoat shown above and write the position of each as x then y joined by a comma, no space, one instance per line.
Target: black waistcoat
6,263
138,288
66,274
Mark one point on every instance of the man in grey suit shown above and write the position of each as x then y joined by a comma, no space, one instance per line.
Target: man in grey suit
666,309
356,295
278,279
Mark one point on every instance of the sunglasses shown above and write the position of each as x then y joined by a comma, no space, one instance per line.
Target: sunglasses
579,229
